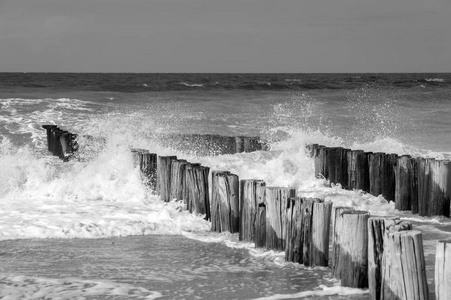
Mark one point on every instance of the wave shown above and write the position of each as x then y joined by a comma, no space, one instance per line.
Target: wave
322,291
434,79
133,83
192,85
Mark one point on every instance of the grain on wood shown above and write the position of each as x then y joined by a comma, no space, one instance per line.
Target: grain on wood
250,193
442,274
351,261
378,230
164,177
225,202
276,200
403,267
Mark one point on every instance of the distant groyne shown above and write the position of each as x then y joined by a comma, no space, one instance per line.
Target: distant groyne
381,253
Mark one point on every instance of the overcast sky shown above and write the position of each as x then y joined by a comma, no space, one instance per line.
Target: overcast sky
225,36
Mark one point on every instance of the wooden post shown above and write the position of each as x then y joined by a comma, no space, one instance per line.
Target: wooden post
251,195
358,170
48,129
276,200
149,169
424,185
225,202
337,165
137,157
164,177
177,178
188,185
306,230
320,162
331,163
294,233
443,270
403,267
351,265
199,198
376,172
440,190
389,180
336,223
320,234
260,226
56,145
317,159
414,185
403,199
310,149
378,229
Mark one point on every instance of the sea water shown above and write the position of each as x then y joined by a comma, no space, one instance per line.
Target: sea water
89,229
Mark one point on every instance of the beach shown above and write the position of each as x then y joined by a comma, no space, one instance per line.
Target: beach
89,228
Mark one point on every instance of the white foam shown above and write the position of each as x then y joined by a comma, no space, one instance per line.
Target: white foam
322,291
434,79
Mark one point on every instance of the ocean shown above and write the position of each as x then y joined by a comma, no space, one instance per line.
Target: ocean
89,229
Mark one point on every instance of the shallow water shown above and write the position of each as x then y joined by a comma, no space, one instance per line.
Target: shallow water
140,266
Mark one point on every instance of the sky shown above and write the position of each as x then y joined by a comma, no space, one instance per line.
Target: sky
225,36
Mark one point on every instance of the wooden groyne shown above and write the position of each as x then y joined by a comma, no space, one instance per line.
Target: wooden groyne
416,184
382,254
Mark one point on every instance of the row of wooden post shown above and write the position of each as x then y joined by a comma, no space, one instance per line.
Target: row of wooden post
383,254
421,185
60,143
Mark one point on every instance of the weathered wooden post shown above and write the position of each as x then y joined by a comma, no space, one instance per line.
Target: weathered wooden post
336,219
149,169
424,185
403,267
260,226
56,145
443,270
251,195
337,165
440,190
188,185
294,233
389,180
414,185
320,162
164,177
276,199
48,129
199,198
378,230
310,149
177,178
358,170
351,262
247,144
320,234
225,206
376,172
403,175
